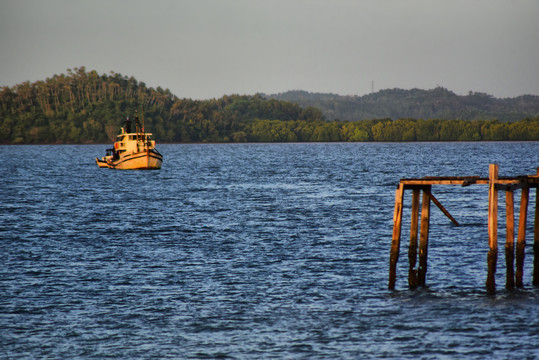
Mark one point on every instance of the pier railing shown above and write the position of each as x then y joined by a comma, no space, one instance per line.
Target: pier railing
420,225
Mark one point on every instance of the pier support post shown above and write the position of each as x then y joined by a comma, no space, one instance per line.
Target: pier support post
492,256
510,240
521,239
535,280
395,241
424,237
412,250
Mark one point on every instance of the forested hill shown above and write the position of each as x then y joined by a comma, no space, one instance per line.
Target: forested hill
86,107
438,103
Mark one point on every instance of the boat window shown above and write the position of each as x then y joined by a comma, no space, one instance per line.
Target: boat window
120,138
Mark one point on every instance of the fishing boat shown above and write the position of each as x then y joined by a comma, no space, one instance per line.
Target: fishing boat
132,150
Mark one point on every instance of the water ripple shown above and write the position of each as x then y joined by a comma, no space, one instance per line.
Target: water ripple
248,251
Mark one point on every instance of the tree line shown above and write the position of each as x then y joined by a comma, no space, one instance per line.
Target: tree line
401,130
85,107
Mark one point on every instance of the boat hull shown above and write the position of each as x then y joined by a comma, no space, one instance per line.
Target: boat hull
148,160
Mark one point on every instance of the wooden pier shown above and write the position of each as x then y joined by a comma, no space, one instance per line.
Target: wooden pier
420,225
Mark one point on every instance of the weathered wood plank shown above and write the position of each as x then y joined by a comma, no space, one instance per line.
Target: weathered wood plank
424,239
412,250
535,279
532,181
395,241
521,238
428,182
492,256
510,240
441,207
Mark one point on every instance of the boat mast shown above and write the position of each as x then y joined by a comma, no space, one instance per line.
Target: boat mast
144,137
142,115
137,128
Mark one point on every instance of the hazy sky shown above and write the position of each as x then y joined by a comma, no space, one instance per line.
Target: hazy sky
207,48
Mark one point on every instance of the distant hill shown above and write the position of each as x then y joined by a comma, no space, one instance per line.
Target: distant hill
86,107
438,103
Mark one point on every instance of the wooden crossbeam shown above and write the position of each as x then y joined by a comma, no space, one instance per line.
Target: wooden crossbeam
530,180
441,207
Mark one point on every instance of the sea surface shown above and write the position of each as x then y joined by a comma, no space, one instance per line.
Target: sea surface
255,251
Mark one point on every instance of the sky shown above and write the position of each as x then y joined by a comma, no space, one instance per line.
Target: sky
204,49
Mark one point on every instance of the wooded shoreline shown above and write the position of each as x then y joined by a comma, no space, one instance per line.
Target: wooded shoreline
85,107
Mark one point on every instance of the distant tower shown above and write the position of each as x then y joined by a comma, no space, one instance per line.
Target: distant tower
372,87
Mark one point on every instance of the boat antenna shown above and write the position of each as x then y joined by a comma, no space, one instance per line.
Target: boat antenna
127,125
142,115
137,127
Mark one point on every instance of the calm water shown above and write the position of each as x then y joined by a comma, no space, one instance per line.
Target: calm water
253,251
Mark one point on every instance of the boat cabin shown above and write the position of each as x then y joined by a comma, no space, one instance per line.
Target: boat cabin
133,142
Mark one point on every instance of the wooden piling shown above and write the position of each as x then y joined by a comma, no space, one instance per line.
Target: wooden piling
521,238
395,241
424,238
535,280
412,250
492,256
510,240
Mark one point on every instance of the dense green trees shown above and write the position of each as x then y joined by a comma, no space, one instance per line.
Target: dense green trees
386,130
85,107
